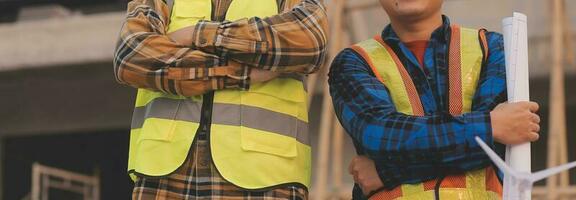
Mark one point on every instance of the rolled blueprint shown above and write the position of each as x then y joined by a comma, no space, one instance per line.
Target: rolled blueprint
516,50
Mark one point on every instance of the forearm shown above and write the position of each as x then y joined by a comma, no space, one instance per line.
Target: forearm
178,87
393,176
407,149
147,58
399,139
293,41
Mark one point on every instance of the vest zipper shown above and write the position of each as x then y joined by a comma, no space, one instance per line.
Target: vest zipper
206,113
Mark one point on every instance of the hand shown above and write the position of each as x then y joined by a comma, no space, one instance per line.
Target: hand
515,123
364,171
260,75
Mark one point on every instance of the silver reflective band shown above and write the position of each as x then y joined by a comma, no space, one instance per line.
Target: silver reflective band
261,119
166,108
224,114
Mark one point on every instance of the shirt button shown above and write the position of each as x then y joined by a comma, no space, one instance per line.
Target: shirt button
203,41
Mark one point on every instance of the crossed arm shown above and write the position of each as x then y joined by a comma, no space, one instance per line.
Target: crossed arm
223,56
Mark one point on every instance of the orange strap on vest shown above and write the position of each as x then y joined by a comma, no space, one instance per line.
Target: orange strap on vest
454,62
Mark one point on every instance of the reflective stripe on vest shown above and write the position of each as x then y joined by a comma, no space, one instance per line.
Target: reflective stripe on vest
467,52
259,138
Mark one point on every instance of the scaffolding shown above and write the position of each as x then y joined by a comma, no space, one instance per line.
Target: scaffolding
45,179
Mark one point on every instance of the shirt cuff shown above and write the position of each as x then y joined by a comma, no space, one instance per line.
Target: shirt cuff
478,124
239,79
389,180
205,34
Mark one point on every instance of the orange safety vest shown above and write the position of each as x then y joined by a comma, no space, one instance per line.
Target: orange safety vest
467,53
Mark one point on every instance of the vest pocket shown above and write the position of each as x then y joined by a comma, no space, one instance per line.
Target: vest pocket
160,116
269,119
269,143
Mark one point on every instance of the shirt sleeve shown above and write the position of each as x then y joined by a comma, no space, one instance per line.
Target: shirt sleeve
145,57
292,41
411,149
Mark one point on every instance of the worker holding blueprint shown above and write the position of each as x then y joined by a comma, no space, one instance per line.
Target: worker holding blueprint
415,97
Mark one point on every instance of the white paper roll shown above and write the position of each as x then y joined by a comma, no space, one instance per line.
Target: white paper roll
517,80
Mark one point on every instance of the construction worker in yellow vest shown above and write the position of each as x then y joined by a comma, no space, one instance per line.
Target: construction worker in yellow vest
221,109
414,97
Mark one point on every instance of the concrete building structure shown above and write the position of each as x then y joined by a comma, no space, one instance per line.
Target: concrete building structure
60,104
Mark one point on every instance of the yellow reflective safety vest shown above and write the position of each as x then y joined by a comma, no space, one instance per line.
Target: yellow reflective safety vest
467,54
258,138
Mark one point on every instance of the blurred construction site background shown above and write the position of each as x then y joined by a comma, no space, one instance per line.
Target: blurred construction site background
64,121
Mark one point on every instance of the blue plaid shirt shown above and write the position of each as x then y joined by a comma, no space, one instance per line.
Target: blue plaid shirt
411,149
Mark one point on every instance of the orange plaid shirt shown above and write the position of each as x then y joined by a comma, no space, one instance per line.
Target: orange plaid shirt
222,52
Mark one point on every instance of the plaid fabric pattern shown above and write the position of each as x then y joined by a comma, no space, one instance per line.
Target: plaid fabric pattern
199,179
412,149
293,41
